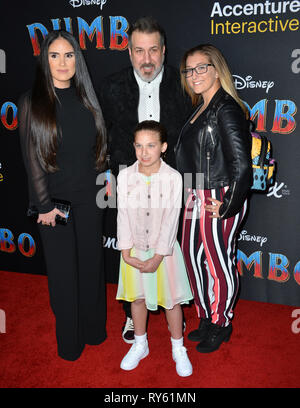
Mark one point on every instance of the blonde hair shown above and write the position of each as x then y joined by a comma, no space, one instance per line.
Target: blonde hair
216,58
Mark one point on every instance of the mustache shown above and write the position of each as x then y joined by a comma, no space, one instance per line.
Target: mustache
149,65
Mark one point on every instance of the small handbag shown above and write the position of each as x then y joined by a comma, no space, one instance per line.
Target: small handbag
61,205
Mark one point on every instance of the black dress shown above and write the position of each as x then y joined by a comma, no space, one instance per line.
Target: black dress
73,253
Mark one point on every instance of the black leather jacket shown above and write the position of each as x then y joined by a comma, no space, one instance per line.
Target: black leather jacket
221,151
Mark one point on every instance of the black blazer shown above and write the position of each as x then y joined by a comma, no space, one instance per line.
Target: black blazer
119,98
220,150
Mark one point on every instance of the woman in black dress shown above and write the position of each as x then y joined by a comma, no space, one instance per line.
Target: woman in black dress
63,141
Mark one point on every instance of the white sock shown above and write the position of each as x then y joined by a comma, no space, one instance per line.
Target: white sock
177,342
141,339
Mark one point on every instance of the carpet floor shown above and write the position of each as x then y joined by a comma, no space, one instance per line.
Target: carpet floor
263,351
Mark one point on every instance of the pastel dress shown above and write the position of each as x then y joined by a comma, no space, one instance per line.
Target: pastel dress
169,284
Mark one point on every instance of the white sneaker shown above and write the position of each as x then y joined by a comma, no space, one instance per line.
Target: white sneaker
183,365
137,352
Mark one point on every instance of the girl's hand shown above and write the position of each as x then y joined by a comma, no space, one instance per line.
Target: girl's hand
131,260
135,262
214,207
152,264
49,218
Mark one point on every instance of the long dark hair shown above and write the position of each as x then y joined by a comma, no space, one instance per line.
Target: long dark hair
43,113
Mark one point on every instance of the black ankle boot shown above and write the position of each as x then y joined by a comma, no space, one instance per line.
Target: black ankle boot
202,331
216,335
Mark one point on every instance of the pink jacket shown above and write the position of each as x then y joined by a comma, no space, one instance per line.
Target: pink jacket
148,214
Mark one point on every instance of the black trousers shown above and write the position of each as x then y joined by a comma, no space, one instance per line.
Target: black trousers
127,308
76,279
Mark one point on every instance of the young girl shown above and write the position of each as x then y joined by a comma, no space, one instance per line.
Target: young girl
152,269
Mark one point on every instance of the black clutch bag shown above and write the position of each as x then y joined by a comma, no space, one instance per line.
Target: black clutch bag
61,205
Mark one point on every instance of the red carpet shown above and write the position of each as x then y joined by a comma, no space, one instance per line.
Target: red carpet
263,350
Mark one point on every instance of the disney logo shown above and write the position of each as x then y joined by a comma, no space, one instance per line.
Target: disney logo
79,3
242,83
256,238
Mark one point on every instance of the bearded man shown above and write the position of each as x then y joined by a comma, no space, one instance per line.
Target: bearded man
147,90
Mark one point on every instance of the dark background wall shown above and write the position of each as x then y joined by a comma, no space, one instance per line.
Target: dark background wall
261,43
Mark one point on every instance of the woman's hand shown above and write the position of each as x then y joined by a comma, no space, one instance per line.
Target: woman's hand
152,264
49,218
214,207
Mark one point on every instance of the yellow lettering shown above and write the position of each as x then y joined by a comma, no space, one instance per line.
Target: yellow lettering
260,29
217,28
271,25
294,24
252,27
235,28
283,27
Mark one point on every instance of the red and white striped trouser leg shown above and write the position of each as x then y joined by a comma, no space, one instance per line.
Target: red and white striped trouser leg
208,245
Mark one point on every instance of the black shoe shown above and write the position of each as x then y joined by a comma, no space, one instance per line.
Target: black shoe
200,334
216,335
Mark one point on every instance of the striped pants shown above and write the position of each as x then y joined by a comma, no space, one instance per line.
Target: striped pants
208,246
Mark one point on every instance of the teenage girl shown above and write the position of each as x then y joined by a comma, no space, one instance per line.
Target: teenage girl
152,269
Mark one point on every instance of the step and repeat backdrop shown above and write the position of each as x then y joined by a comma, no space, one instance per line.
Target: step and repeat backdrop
261,43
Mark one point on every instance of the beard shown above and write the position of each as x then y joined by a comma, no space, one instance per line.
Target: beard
153,74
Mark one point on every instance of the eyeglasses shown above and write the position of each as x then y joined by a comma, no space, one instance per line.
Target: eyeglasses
199,69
